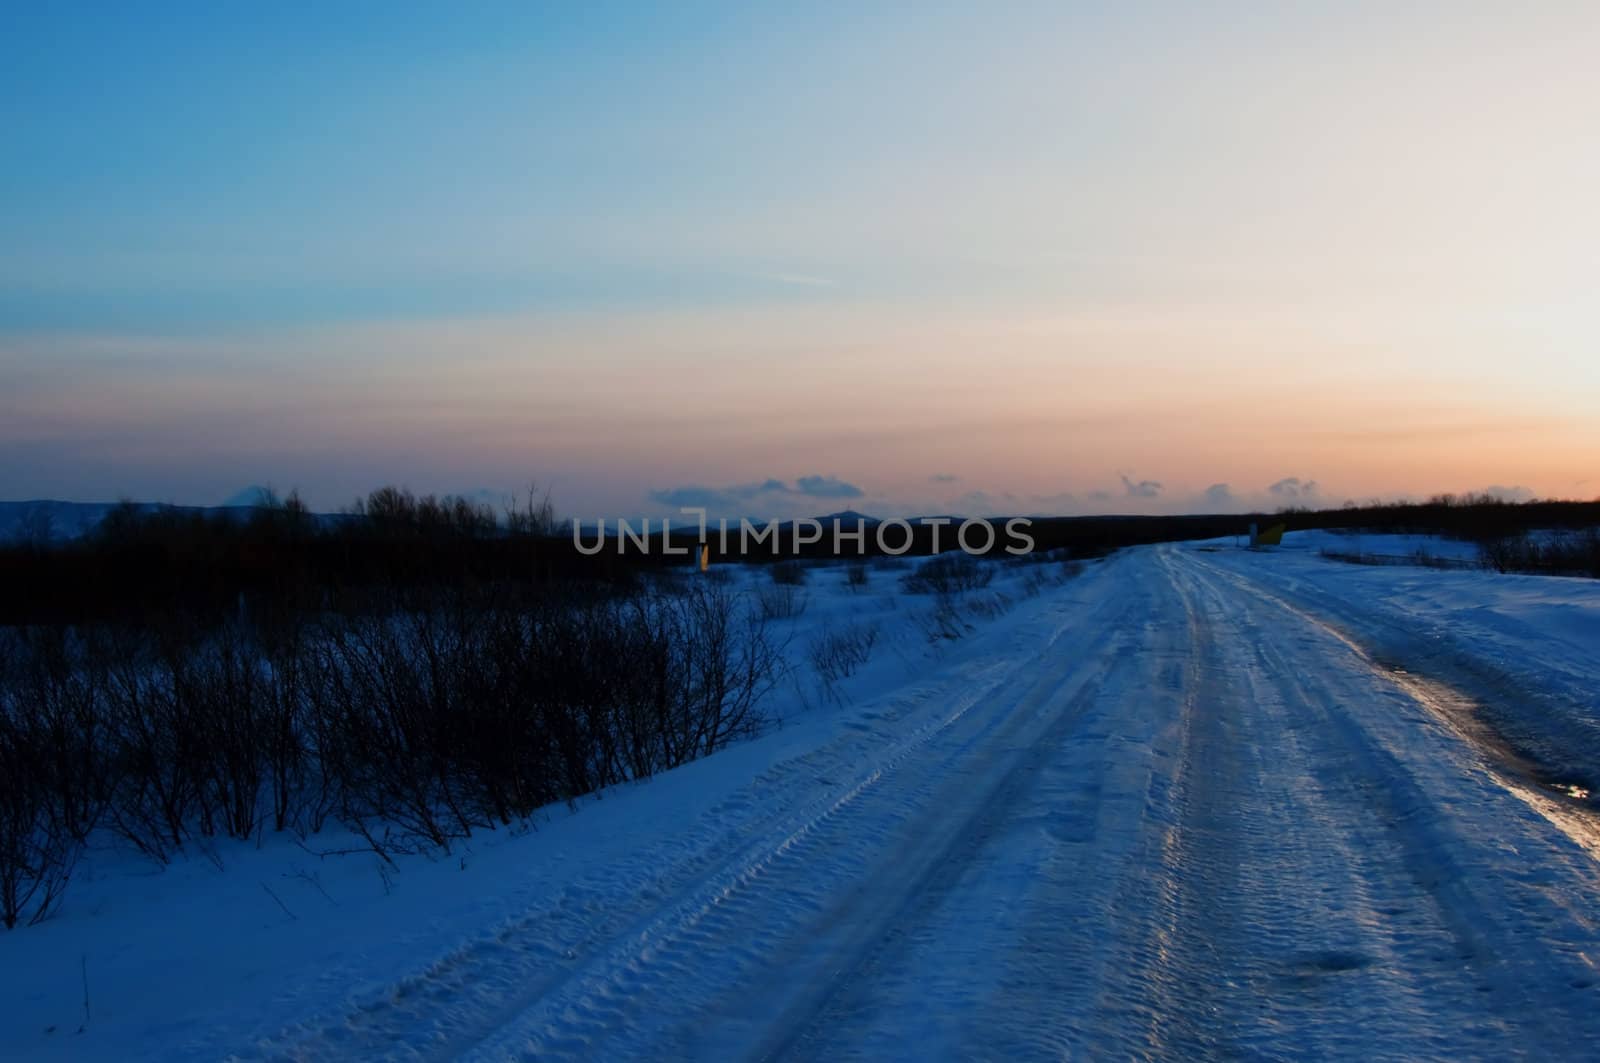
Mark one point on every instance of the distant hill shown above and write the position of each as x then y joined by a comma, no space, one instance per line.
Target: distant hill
847,517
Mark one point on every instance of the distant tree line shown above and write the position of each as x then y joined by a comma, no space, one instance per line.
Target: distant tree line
140,561
1538,537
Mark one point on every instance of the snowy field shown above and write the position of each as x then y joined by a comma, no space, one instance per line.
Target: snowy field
1188,801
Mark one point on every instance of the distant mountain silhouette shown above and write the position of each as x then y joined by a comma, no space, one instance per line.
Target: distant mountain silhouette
849,516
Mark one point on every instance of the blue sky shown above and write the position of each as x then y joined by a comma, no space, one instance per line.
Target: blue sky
1045,250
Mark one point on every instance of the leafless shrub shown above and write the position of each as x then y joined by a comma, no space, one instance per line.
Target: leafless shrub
856,576
415,719
836,655
58,700
1037,575
395,511
943,622
948,574
728,668
953,614
37,851
287,657
780,602
788,573
1564,554
221,695
988,606
156,798
1503,553
391,680
533,515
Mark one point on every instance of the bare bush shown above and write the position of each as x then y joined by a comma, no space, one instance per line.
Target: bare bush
1562,554
287,656
780,602
221,695
37,851
391,680
943,622
856,576
416,719
836,655
988,606
156,798
788,573
1039,575
533,515
727,669
1504,553
57,698
948,574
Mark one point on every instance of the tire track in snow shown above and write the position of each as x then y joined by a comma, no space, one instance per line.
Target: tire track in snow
800,926
1467,938
1304,908
915,883
1563,805
1013,963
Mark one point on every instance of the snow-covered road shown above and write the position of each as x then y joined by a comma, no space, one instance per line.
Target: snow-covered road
1176,813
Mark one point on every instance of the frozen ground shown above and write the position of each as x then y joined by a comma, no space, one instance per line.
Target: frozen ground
1196,801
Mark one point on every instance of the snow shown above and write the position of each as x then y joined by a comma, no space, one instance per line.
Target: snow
1528,647
1193,800
1388,545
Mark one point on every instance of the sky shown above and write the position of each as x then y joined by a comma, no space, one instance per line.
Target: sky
782,259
